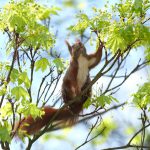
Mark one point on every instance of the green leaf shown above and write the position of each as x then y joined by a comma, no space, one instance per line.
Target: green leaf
116,41
4,134
23,78
25,18
59,63
101,100
19,92
42,64
16,22
82,24
127,33
14,75
87,103
142,97
113,98
26,108
45,14
2,90
137,6
54,10
6,110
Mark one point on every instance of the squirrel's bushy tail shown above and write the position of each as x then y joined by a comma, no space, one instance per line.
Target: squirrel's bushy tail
68,115
30,125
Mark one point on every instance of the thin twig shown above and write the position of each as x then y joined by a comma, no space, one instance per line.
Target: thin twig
91,138
12,65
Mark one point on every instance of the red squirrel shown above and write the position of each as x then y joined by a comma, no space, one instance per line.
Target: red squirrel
75,81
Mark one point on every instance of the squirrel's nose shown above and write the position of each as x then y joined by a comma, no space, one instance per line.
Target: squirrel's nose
78,41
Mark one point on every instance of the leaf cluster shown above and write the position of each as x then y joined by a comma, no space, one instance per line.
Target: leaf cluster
120,26
100,101
22,21
142,97
25,18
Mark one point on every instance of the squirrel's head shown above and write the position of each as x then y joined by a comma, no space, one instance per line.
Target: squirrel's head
76,49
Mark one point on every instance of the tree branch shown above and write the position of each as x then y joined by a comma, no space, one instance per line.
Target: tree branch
130,141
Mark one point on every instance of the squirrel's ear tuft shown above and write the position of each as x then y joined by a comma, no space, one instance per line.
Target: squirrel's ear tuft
69,47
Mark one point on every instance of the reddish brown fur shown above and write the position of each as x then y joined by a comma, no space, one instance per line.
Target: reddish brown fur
32,126
96,55
69,91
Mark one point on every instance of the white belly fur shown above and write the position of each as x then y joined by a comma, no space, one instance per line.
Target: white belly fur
82,71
